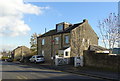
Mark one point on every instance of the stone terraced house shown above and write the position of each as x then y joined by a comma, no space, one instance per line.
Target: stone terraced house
21,51
67,40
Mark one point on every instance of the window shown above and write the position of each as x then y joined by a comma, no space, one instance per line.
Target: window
60,27
56,40
66,53
39,56
43,41
43,52
33,56
66,39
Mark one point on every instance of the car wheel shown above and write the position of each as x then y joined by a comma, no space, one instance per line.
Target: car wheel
43,62
35,62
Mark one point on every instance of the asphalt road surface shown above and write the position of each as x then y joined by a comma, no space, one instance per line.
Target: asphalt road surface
12,70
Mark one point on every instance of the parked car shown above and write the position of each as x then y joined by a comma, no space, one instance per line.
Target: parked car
37,59
9,60
4,58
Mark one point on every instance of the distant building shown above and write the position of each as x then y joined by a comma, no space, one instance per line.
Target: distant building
20,52
5,53
1,56
66,40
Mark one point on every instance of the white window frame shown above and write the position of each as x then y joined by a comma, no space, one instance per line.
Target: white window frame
43,41
56,40
67,53
60,27
67,39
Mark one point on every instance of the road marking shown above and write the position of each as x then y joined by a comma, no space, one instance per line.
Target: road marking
24,77
19,77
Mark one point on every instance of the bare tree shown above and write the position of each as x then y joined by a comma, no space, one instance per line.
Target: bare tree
77,45
109,30
77,41
74,44
33,43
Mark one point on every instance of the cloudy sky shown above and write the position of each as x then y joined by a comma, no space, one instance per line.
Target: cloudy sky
19,19
12,24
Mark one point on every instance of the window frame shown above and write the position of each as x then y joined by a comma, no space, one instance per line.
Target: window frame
56,41
60,27
66,53
43,41
67,39
33,56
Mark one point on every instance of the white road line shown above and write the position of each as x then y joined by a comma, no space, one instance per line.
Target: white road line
19,77
22,77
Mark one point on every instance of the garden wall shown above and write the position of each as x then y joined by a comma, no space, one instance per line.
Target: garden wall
101,60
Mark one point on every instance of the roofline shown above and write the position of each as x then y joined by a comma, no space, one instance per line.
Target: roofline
84,21
64,23
54,29
19,47
52,35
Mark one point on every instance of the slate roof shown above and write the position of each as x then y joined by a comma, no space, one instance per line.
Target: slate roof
63,48
49,33
20,47
96,48
54,32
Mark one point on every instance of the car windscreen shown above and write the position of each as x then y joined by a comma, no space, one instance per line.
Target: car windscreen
39,56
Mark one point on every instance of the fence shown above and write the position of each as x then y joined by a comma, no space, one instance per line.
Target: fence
61,61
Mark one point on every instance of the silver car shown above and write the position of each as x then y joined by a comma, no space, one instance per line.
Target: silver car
37,59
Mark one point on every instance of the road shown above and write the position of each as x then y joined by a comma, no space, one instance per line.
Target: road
12,70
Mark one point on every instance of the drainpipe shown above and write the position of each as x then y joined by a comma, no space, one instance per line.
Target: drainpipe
51,46
52,50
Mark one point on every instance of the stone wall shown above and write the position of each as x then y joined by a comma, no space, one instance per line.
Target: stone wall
50,48
101,60
56,47
46,47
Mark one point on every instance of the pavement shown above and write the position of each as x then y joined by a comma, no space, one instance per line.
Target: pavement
106,75
15,71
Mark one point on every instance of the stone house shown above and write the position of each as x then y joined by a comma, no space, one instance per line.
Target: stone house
20,52
67,40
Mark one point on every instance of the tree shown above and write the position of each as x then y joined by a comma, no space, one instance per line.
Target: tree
33,43
110,31
77,45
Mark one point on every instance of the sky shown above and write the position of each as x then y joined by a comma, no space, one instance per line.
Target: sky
19,20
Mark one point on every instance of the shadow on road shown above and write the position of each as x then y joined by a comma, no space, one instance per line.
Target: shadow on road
32,71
